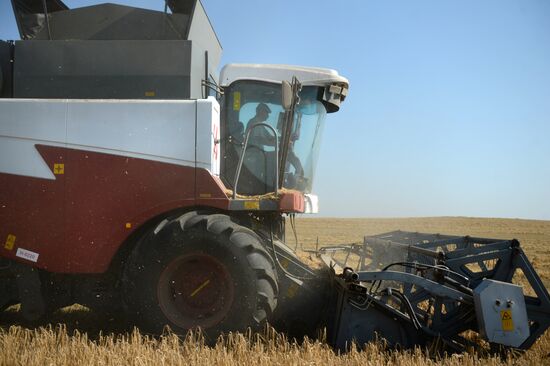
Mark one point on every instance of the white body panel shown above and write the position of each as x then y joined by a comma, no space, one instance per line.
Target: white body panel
208,135
24,123
156,130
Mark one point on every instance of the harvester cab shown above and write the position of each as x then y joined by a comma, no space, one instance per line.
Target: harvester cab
270,146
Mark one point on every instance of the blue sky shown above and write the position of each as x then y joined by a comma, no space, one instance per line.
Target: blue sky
449,105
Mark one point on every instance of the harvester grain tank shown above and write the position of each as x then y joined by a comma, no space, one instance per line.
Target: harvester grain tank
136,181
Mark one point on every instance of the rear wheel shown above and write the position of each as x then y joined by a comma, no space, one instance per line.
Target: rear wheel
201,271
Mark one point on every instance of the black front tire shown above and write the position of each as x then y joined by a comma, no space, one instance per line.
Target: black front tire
200,271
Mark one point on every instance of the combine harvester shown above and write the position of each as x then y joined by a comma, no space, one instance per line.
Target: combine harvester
135,181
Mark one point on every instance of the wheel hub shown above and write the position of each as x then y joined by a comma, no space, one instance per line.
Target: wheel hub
195,290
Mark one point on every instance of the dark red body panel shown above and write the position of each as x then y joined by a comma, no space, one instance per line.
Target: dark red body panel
77,222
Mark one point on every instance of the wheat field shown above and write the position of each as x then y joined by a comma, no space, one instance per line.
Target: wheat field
76,336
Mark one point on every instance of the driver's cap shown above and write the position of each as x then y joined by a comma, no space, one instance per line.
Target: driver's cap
263,107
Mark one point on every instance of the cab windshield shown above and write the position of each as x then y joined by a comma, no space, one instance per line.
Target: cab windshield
251,103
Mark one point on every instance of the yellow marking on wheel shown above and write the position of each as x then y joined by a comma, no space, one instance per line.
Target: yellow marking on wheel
200,288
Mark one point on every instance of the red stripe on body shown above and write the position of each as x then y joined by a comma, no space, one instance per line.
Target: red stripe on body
77,222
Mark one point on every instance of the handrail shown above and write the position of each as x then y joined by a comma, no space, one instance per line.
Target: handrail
245,145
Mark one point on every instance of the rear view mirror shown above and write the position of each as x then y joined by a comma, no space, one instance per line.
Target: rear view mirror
286,95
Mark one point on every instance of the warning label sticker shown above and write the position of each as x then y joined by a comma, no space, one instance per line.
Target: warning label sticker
59,169
252,205
10,242
236,101
507,321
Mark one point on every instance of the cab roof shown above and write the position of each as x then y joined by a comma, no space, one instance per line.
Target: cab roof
277,73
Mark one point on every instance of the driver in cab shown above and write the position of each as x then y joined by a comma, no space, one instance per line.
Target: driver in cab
261,135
